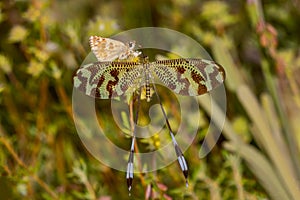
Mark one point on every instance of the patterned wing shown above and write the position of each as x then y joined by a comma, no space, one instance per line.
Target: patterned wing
190,77
106,49
106,80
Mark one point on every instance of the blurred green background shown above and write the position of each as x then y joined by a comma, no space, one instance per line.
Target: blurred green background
257,156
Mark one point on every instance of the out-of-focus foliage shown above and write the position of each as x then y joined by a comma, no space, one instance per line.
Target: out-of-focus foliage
44,42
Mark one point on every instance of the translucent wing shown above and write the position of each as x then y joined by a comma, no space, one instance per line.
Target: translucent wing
189,77
106,49
106,80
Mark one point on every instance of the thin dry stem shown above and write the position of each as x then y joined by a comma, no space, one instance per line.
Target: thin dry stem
44,185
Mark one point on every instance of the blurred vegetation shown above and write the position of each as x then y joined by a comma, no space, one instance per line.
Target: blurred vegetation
44,42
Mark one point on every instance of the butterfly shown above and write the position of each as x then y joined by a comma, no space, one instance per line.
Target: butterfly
106,49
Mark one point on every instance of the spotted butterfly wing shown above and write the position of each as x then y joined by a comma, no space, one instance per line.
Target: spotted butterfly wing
106,49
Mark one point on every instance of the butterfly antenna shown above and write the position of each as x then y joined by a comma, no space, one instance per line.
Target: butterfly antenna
181,160
130,166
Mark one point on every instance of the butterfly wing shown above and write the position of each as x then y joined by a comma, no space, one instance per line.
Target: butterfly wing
106,49
190,77
107,80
